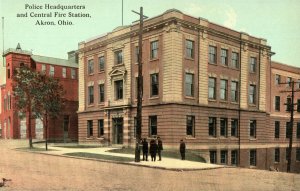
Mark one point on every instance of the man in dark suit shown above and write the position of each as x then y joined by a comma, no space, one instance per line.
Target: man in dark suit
145,149
159,147
182,149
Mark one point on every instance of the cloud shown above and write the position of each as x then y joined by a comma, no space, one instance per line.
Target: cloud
231,18
194,9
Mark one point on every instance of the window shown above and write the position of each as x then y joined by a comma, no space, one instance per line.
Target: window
119,89
100,127
277,155
298,105
64,72
252,64
212,125
189,49
234,91
288,130
235,60
298,82
154,85
137,50
224,57
287,153
234,127
288,81
51,71
154,50
152,125
189,84
297,154
234,157
252,92
134,126
212,54
8,73
277,129
212,88
90,94
118,57
89,128
277,79
252,157
223,89
73,73
90,67
223,127
277,103
224,156
190,125
288,104
213,157
252,128
101,93
44,68
101,63
298,131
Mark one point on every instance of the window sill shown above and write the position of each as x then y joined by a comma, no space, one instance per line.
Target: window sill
252,139
234,138
190,58
101,72
101,104
252,105
234,68
189,137
211,137
100,138
253,167
189,97
223,137
88,74
154,97
252,72
224,65
153,59
89,138
90,105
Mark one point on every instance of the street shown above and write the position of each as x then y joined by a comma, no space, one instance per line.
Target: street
31,171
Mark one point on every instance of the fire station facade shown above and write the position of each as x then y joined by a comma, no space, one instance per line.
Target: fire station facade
62,128
204,83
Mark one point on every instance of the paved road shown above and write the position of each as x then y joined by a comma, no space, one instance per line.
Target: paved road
30,171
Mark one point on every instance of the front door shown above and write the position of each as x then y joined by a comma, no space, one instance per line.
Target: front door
118,130
66,127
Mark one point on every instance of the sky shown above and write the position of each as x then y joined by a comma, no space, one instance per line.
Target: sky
277,21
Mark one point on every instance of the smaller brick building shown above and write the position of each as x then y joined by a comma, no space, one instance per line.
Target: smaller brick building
63,128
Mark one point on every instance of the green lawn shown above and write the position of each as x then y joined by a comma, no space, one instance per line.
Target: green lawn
38,149
190,155
78,146
100,156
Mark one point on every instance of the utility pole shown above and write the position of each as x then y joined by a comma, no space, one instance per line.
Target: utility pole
290,107
140,87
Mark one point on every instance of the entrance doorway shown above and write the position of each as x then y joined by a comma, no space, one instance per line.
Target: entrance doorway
118,130
66,127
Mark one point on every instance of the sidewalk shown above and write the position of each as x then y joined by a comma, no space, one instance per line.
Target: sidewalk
166,163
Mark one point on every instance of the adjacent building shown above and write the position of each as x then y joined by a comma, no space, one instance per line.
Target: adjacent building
63,128
209,85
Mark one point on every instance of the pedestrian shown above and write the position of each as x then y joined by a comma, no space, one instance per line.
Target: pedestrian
159,147
182,149
145,149
153,150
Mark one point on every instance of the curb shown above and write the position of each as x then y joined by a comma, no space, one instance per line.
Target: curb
126,163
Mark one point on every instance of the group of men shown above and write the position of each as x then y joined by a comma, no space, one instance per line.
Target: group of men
157,148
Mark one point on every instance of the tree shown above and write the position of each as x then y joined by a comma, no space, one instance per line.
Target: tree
25,88
39,96
50,101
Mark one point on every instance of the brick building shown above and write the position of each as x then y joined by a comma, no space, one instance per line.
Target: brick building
202,82
62,128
